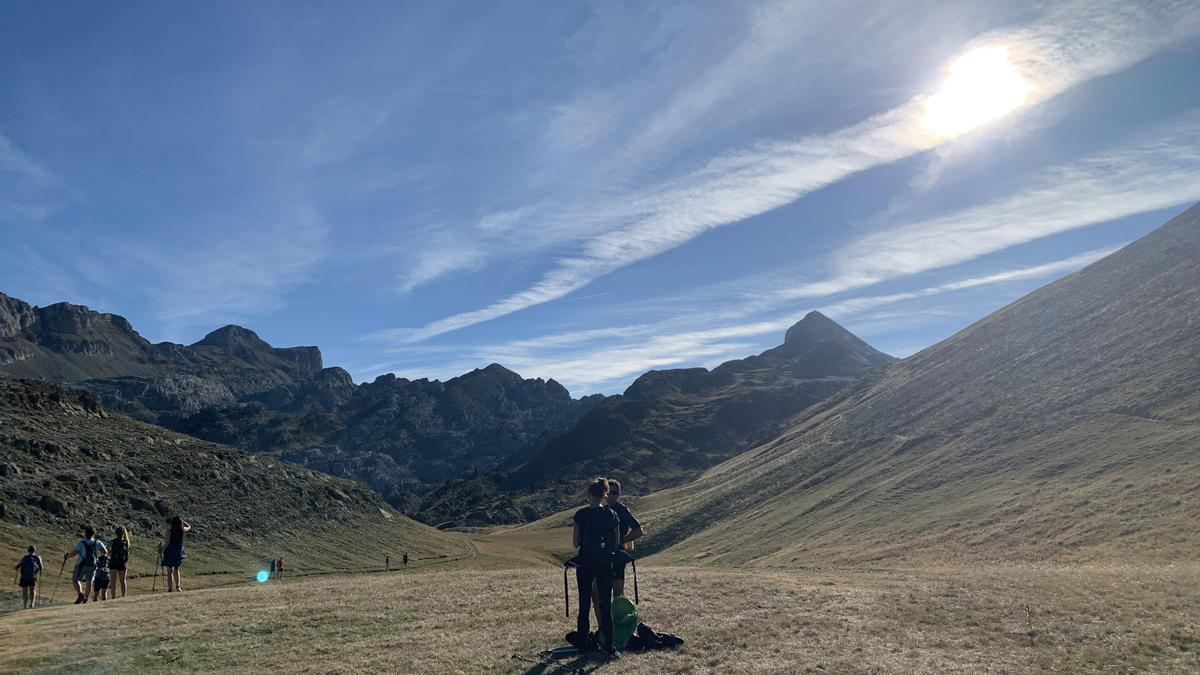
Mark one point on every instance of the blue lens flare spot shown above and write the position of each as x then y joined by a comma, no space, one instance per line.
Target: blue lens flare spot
262,576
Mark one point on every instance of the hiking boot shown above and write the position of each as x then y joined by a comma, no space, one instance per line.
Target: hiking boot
80,598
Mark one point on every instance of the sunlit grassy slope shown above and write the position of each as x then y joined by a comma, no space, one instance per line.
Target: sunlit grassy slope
66,461
1065,426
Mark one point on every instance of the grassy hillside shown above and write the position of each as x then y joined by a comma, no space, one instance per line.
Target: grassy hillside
1064,426
65,461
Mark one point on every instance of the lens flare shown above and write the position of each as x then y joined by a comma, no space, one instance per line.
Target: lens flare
980,86
262,576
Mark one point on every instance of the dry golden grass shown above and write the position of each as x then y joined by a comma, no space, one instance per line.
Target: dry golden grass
1000,619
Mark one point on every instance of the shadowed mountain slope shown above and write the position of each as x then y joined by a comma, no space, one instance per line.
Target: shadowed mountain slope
65,460
667,427
399,436
1066,425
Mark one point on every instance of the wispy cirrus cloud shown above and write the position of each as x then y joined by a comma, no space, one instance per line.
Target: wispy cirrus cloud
600,359
230,276
1160,171
735,186
15,160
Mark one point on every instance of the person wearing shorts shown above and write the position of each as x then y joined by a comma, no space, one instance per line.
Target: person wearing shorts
172,552
30,568
89,549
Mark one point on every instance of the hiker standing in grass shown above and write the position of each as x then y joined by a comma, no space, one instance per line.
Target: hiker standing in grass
405,560
387,563
596,535
172,552
630,530
279,569
89,549
119,564
30,567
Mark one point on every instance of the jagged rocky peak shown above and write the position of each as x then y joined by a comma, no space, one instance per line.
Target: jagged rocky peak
15,316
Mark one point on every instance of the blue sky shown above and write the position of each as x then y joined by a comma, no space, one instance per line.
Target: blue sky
582,191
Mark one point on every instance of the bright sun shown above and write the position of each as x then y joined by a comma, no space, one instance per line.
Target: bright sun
979,87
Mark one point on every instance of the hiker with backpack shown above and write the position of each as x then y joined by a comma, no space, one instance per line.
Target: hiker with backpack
89,549
630,530
172,553
596,535
119,564
101,579
29,567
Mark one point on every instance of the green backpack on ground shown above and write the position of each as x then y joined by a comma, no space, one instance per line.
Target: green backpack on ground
625,621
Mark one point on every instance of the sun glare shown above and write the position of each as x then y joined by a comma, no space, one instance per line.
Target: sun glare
979,87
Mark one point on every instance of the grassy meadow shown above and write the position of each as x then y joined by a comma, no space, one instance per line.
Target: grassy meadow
474,614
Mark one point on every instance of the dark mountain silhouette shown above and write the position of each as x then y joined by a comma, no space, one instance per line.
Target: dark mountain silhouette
1063,426
666,428
397,435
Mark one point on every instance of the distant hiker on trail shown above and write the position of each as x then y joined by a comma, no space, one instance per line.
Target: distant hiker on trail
631,529
279,569
387,563
89,549
30,567
272,575
119,564
405,560
172,552
101,580
596,535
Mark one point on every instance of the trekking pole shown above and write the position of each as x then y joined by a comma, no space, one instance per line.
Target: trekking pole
60,573
566,592
636,599
157,564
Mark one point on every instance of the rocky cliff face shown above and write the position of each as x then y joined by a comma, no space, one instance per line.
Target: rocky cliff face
396,435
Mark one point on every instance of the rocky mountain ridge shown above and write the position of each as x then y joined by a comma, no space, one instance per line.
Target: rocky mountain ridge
666,428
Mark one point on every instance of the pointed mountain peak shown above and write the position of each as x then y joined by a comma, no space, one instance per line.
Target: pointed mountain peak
232,336
815,326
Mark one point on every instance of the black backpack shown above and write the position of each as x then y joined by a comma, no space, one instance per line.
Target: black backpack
88,559
120,552
597,544
29,566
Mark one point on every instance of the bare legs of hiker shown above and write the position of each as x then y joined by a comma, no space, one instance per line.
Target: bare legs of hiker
119,583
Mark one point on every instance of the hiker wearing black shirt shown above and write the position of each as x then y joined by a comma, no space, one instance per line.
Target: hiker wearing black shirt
89,549
596,535
119,564
30,567
172,552
630,530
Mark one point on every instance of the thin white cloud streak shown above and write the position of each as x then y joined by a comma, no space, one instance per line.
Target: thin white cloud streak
853,306
586,361
1156,174
1074,43
15,160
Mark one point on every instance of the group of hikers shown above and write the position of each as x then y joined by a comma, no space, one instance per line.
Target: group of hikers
604,533
99,566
